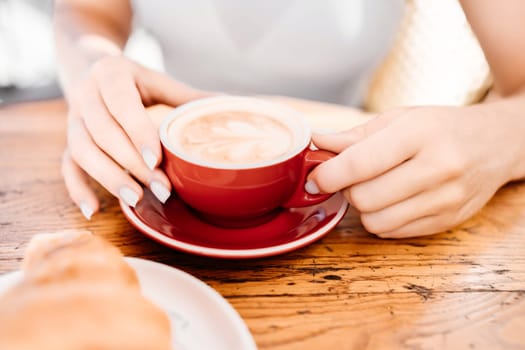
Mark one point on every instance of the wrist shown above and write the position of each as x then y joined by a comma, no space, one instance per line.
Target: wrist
518,172
77,58
95,48
98,45
508,124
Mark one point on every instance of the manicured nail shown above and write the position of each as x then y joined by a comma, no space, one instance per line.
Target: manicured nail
129,196
149,157
86,210
160,191
311,187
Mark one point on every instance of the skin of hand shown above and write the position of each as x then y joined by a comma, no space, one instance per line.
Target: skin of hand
110,136
449,154
419,171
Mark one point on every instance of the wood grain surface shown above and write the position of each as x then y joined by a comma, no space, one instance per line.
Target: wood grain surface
463,289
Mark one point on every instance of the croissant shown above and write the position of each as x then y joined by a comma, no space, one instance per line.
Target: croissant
78,293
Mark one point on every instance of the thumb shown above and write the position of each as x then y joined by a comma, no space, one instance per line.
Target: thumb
340,141
156,87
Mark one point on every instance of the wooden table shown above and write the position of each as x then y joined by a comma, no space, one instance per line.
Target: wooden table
463,289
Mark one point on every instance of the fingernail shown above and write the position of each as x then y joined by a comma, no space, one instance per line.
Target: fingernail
86,210
149,157
160,191
129,196
325,131
311,187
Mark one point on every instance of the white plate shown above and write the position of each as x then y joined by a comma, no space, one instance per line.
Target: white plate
200,317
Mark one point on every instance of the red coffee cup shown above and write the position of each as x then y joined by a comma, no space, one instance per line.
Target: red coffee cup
239,195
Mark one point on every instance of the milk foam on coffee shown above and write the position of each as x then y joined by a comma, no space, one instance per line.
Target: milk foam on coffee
234,137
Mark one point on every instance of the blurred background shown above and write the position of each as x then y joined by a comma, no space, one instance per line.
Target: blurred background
434,60
27,63
28,69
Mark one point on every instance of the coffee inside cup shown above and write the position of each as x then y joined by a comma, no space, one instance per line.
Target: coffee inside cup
235,137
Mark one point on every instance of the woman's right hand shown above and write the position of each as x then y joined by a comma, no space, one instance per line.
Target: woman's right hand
110,136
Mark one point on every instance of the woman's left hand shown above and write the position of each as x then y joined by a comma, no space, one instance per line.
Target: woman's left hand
423,170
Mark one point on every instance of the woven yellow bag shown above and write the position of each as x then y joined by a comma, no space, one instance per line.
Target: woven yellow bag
435,60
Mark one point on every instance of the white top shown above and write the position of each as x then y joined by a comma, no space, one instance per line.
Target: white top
317,49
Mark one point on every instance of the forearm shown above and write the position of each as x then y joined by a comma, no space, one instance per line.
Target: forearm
84,33
498,27
509,113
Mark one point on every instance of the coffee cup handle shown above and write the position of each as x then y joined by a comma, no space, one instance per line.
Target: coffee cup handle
301,198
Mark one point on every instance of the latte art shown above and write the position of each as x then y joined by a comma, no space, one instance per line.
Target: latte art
235,137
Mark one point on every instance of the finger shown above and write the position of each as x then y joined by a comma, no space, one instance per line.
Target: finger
446,198
123,101
160,185
77,185
402,182
422,227
110,137
367,159
99,166
156,87
338,142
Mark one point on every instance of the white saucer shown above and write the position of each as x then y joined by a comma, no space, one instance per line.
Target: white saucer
201,318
